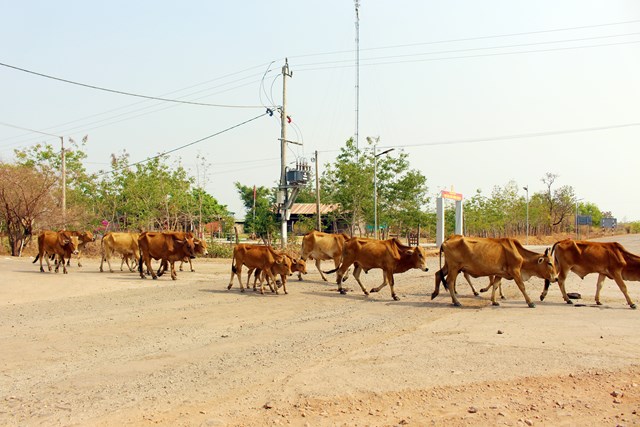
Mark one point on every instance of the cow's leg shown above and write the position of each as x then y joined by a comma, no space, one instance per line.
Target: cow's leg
490,285
451,280
520,283
181,262
284,283
236,271
623,287
356,274
108,252
48,263
320,270
562,276
40,255
494,282
79,255
601,278
389,278
300,273
174,276
191,266
468,279
439,278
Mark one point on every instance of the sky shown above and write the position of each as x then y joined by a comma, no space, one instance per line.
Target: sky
478,94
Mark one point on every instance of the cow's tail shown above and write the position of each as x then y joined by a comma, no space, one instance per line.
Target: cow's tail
37,258
330,271
234,270
140,264
444,280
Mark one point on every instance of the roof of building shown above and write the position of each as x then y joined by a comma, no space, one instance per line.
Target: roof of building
310,208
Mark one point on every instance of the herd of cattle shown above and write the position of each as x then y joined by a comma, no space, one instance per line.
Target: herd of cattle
497,259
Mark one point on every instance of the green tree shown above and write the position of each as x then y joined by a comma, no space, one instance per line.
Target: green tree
261,220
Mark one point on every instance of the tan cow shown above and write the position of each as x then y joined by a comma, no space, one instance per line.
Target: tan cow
323,246
61,244
608,259
168,247
126,244
257,256
503,258
389,255
201,250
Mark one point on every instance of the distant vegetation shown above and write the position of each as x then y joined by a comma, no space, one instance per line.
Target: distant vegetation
157,194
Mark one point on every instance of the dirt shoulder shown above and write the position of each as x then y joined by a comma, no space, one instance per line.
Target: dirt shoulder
92,348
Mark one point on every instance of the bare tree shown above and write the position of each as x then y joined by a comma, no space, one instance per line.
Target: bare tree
25,197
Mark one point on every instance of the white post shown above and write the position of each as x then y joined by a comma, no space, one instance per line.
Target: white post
459,216
439,221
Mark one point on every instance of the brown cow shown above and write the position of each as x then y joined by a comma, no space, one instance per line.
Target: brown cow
256,256
126,244
297,265
608,259
323,246
201,249
389,255
503,258
58,243
84,237
168,247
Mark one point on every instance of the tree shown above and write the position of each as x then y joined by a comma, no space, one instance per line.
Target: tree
402,192
25,199
262,220
559,202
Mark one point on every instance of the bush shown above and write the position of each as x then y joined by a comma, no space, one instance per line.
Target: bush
220,250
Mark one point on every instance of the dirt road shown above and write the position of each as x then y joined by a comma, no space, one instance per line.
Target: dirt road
92,348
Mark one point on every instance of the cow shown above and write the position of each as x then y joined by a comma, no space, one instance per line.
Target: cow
297,265
126,244
504,258
257,256
84,237
168,247
62,244
389,255
323,246
608,259
201,249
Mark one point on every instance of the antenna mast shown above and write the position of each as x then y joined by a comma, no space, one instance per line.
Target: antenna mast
357,4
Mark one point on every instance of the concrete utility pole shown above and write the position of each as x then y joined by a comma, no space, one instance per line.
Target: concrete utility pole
283,154
357,4
319,219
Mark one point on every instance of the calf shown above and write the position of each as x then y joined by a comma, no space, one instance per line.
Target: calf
257,256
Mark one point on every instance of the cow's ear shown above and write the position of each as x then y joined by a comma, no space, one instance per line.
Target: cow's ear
410,252
540,260
546,252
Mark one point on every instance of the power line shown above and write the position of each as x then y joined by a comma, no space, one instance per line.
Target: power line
473,56
440,52
471,38
29,130
155,98
148,159
515,136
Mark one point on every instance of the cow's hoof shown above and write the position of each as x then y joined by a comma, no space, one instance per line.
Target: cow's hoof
457,304
395,297
598,303
569,301
495,303
502,297
230,285
532,305
542,297
154,277
373,290
343,291
433,295
633,306
242,290
475,294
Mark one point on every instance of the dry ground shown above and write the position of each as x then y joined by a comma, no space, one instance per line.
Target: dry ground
104,349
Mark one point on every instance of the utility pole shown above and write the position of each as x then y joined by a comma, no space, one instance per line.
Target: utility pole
64,184
318,195
283,153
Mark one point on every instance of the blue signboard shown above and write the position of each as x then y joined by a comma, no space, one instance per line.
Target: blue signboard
584,220
608,222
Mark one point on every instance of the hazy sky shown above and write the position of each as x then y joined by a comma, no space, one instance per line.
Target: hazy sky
478,93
